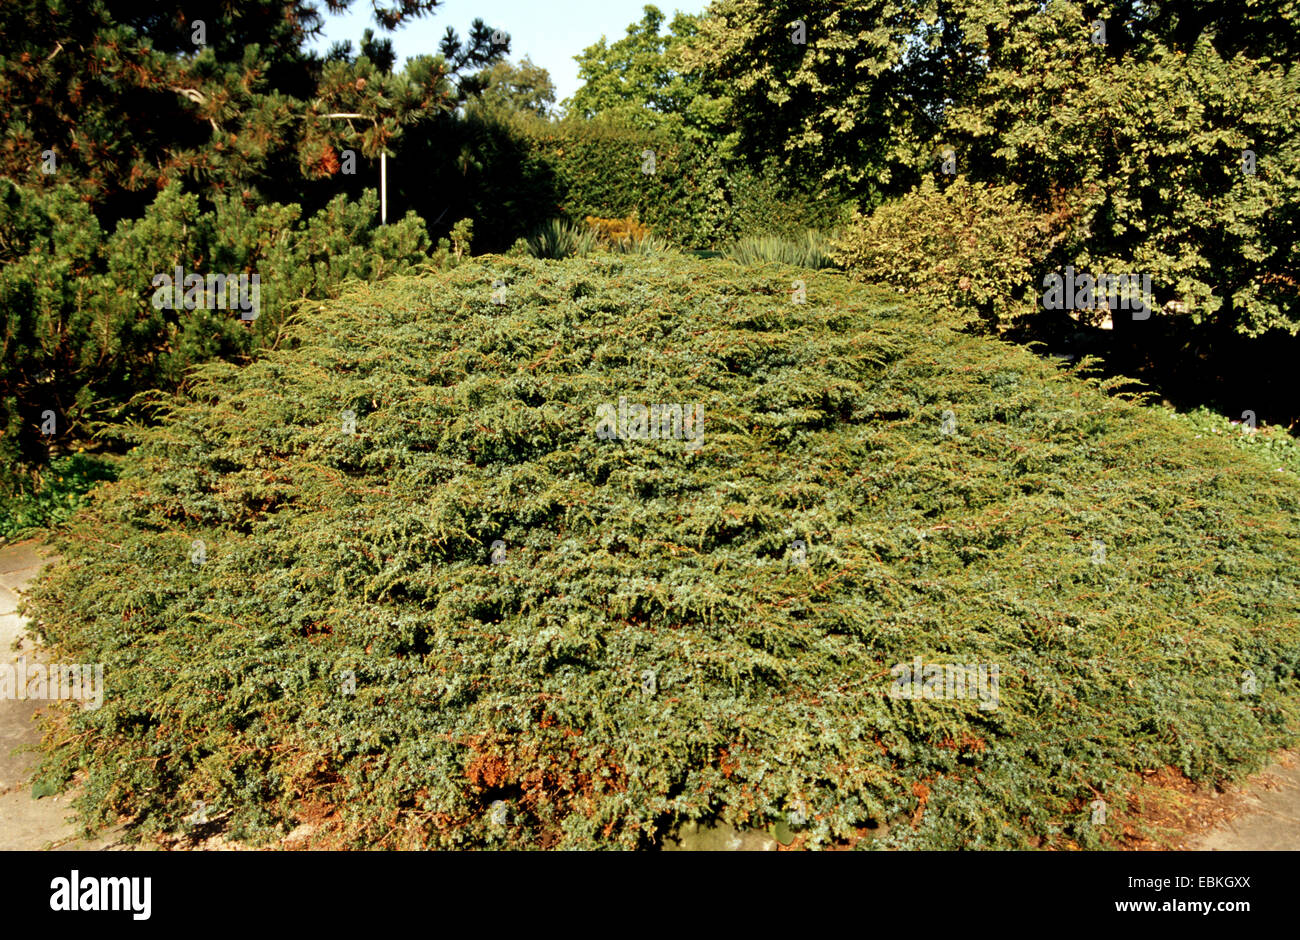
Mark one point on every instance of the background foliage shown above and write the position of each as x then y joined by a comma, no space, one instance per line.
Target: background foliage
1138,141
967,250
81,336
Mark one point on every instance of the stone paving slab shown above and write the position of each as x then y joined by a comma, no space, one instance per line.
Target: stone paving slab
20,562
8,601
24,823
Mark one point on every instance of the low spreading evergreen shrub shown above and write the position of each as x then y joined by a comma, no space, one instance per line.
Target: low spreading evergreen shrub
397,577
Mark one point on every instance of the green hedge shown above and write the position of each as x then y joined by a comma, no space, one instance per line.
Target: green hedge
600,169
513,174
650,650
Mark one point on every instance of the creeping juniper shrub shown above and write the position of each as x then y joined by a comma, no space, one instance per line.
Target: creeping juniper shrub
433,627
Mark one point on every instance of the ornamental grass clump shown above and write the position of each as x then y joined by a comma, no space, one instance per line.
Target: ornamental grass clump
557,239
912,583
810,250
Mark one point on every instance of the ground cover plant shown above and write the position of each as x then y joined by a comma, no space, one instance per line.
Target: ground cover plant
397,577
59,491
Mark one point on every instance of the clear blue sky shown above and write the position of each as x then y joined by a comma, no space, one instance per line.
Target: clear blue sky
550,32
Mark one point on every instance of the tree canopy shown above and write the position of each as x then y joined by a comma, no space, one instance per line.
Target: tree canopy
1165,132
643,79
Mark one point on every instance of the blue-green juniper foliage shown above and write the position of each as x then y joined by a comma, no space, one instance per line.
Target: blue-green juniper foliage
666,635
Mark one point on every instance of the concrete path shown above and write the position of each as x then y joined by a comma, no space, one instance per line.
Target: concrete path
1264,813
26,823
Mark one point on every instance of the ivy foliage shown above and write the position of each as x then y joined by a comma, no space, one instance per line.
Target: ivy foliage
469,620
